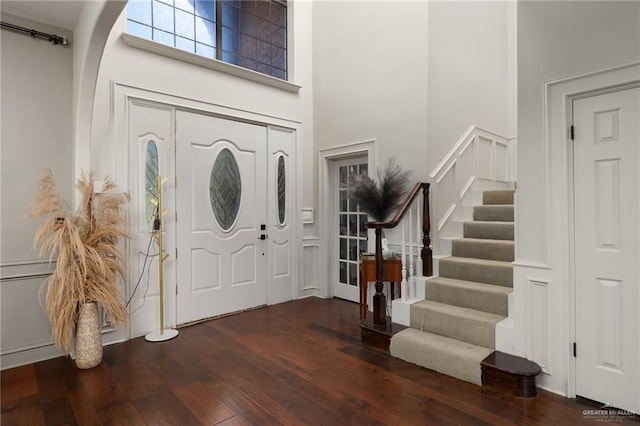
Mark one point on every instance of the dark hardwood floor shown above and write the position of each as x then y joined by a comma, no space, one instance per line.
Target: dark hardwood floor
299,362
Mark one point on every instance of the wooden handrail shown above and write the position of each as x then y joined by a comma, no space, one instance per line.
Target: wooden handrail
379,300
403,209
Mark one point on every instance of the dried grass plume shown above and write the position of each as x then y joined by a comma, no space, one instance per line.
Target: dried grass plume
379,199
89,259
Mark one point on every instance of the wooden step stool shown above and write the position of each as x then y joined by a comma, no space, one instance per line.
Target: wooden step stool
510,373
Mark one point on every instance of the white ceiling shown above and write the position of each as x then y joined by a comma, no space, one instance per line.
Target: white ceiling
63,14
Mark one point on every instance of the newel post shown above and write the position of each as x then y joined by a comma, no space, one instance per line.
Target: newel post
379,299
426,254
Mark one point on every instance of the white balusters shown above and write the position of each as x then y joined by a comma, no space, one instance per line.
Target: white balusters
412,282
419,266
403,284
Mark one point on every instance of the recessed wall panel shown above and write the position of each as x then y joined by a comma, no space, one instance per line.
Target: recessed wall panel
539,348
205,270
502,162
485,158
606,126
466,166
243,266
607,200
281,259
609,324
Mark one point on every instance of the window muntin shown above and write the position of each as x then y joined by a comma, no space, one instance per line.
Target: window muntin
250,33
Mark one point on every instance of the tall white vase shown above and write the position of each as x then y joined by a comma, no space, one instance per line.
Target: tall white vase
88,337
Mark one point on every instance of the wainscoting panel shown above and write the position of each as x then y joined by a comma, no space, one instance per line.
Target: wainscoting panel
26,333
479,160
24,321
485,158
310,266
539,322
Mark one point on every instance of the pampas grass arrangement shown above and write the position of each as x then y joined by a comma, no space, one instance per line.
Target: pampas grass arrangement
380,198
89,260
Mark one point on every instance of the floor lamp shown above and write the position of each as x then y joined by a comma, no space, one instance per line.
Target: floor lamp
164,333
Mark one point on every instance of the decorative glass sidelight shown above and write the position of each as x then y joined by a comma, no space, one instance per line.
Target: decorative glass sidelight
151,170
225,189
281,191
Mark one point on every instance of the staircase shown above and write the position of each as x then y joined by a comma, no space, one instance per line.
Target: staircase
453,329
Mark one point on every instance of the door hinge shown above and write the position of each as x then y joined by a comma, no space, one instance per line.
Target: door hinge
176,289
572,131
574,349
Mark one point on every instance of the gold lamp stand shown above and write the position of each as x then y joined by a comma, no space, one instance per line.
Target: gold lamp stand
164,333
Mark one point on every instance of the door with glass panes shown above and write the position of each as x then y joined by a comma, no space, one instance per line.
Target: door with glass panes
350,230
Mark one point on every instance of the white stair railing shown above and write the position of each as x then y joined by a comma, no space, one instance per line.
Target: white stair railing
478,156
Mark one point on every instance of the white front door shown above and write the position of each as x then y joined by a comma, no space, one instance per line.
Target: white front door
607,240
221,208
350,230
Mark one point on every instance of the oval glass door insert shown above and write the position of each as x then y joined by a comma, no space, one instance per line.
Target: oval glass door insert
282,191
150,183
225,189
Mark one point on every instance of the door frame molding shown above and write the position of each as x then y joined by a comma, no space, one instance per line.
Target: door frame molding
121,96
328,156
559,187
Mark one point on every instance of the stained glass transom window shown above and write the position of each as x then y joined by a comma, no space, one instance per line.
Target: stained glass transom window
282,191
150,183
225,189
249,33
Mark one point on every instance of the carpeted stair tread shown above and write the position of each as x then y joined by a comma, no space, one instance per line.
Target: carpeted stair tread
443,354
468,325
480,248
477,270
453,330
504,196
488,230
467,294
497,212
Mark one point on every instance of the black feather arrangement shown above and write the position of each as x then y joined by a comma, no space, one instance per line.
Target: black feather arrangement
379,198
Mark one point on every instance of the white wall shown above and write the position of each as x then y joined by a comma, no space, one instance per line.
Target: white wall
36,95
470,72
555,40
370,78
558,39
412,76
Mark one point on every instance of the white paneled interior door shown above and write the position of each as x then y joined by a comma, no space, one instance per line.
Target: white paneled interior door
221,207
607,240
